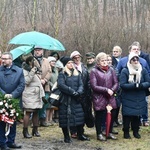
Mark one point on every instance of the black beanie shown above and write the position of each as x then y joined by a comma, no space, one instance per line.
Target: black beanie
65,60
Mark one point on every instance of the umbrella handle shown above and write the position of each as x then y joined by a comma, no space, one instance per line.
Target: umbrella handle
109,108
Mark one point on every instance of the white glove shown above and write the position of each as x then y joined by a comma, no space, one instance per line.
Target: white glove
8,96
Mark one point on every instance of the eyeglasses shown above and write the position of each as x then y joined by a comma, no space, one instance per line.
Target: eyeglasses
135,59
76,57
135,49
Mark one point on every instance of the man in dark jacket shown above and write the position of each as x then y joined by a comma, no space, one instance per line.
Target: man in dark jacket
12,84
116,56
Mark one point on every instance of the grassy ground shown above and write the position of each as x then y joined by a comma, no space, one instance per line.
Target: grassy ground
52,139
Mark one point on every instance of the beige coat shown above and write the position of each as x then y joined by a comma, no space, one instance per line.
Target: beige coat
46,72
33,92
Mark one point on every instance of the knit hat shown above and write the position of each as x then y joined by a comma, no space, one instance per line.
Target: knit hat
59,64
90,55
65,60
75,53
132,55
50,58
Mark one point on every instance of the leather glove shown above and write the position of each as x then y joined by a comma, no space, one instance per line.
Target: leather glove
75,94
8,96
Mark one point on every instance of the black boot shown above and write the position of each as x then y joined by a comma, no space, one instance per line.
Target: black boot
80,134
127,135
136,134
35,131
26,133
66,135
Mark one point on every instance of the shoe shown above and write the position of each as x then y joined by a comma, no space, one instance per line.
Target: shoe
119,123
146,124
67,140
111,136
13,145
137,135
127,136
44,124
114,132
101,137
103,132
115,124
83,138
5,148
74,135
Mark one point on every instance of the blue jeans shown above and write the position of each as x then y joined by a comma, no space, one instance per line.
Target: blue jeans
11,136
144,117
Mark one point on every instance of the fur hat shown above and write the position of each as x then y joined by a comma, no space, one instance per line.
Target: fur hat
50,58
65,60
75,53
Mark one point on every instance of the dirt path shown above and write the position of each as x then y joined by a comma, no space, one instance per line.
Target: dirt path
52,139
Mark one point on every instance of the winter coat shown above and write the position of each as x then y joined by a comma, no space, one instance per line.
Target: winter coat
12,81
75,115
146,57
33,92
100,81
45,72
133,99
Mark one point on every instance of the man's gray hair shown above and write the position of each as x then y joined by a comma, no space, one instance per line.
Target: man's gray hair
8,53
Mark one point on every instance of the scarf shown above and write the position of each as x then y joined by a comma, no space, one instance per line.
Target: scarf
134,70
104,68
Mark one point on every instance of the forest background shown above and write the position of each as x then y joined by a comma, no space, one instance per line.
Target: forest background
83,25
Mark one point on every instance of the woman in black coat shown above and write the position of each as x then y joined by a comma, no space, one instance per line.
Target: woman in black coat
70,110
134,81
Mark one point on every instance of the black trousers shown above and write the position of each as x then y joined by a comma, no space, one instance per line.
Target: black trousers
99,120
133,121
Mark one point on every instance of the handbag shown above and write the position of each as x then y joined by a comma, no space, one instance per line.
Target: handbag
55,96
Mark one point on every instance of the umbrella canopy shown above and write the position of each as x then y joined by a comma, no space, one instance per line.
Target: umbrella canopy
20,51
108,119
35,38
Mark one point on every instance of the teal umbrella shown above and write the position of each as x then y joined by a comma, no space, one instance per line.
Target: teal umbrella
35,38
21,50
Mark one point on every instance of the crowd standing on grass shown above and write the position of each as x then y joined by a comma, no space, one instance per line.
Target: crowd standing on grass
104,80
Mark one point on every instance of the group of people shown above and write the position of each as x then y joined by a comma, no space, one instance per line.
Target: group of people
106,80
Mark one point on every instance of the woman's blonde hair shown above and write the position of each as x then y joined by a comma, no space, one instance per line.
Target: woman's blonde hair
69,72
100,56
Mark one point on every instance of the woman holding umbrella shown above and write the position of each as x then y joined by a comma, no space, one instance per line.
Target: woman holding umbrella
104,84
